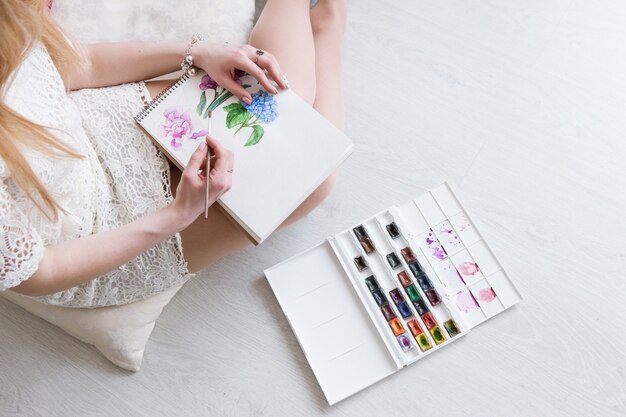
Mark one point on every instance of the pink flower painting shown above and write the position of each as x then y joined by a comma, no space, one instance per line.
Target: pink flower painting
177,126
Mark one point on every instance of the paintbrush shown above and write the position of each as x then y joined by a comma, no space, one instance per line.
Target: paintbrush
208,169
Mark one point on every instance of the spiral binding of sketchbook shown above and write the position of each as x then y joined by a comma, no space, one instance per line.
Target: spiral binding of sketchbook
160,97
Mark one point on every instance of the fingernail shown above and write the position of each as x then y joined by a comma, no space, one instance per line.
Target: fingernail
274,90
286,81
202,145
247,100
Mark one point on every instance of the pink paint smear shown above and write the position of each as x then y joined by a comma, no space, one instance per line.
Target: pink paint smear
468,268
452,277
433,243
465,301
439,253
487,295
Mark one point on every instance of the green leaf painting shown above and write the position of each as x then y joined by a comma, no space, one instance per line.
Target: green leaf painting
202,103
236,115
255,136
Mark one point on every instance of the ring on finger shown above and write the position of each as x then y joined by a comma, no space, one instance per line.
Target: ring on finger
259,53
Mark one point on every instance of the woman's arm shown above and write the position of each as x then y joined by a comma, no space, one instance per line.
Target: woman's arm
74,262
116,63
109,64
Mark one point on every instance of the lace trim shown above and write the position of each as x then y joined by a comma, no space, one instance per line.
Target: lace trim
21,250
144,94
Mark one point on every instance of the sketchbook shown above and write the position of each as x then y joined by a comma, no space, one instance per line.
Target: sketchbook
390,291
283,148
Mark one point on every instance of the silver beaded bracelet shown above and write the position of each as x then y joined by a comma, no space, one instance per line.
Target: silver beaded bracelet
187,64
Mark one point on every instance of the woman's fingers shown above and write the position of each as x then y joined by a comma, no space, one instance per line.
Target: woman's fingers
224,158
269,63
217,150
221,163
247,65
231,85
197,159
224,163
221,181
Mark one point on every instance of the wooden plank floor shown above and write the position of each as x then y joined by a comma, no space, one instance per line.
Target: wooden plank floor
521,104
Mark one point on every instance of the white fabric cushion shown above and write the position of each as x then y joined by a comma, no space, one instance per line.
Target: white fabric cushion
119,332
155,20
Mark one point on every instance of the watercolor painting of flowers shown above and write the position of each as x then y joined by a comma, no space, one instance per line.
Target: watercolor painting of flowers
220,95
177,126
262,109
240,115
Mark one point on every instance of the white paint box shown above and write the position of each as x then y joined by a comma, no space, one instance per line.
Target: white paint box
340,326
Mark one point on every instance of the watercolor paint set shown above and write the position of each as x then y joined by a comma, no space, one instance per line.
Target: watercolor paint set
389,291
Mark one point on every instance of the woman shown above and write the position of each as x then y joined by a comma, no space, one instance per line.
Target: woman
90,213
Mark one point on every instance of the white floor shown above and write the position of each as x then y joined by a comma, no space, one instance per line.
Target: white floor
522,105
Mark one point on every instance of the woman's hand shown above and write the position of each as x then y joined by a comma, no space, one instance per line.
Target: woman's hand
190,193
221,60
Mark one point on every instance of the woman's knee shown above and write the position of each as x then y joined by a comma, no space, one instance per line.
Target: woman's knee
306,89
314,200
323,191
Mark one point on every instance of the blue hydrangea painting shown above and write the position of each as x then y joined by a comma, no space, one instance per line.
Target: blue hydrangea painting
239,115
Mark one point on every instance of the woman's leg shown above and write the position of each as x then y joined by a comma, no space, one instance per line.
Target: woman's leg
284,29
328,21
309,55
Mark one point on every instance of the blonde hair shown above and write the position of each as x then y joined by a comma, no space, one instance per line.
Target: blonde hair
25,22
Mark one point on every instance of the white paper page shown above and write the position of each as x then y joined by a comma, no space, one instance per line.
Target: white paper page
298,148
335,331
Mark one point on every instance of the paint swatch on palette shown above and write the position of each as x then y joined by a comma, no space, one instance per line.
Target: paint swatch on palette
487,298
459,256
465,301
432,246
465,229
449,276
447,237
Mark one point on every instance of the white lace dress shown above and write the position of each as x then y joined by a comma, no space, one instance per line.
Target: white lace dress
122,178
